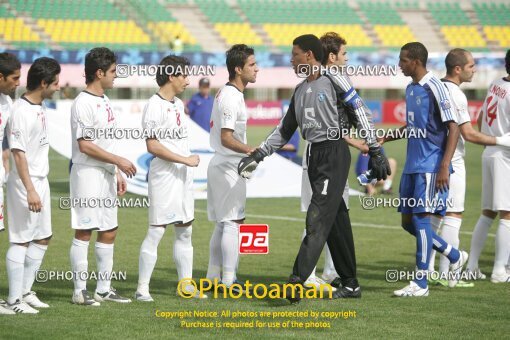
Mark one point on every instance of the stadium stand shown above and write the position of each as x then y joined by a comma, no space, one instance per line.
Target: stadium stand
150,25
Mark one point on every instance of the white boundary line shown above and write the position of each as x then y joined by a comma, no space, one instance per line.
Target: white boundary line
302,220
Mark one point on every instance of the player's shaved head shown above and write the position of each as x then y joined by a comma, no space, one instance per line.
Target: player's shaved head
99,58
9,63
310,42
236,57
331,43
507,62
456,57
416,51
43,69
176,64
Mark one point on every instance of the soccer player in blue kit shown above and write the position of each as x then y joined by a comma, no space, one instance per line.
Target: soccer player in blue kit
424,182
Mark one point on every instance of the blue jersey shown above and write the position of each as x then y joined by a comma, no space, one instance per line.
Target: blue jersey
428,109
200,109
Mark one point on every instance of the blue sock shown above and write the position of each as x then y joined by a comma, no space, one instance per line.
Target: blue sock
423,230
446,249
438,245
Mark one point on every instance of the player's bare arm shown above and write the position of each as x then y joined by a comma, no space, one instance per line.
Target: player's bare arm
94,151
479,120
121,184
358,144
157,149
33,199
389,137
473,136
443,174
228,141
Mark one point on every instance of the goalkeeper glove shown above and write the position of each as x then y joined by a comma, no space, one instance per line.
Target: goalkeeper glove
378,163
248,164
503,140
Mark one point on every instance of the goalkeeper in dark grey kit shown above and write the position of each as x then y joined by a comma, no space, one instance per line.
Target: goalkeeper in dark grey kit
323,105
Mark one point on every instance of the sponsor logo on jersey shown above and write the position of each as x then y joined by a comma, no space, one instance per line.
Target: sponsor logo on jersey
445,104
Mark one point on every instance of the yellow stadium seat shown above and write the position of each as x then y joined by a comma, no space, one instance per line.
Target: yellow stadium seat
463,36
283,34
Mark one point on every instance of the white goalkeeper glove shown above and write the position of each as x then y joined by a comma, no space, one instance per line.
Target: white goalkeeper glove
503,140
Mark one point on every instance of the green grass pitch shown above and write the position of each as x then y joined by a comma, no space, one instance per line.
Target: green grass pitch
381,244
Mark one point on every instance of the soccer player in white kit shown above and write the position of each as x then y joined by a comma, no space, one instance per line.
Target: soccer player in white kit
495,121
226,190
28,190
170,176
95,175
460,68
10,68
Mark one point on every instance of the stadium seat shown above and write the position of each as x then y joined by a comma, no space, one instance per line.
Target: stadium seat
283,34
463,36
234,33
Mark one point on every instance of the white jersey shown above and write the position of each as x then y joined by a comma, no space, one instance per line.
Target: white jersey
90,114
26,131
170,126
460,104
5,113
496,115
228,112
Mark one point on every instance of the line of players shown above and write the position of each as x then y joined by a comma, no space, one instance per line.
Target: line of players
96,172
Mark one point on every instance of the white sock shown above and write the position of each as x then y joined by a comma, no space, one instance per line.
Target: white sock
502,247
449,233
79,263
148,257
478,241
15,269
387,184
215,254
104,258
435,222
183,252
33,260
230,251
329,267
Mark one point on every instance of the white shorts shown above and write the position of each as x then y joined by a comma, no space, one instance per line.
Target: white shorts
457,190
170,194
90,182
24,225
495,183
2,227
306,192
226,190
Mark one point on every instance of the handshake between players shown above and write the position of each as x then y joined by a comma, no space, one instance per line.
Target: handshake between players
378,163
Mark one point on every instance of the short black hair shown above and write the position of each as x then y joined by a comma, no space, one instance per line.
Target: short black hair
331,43
43,69
310,42
456,57
176,67
236,57
417,51
9,63
507,62
98,58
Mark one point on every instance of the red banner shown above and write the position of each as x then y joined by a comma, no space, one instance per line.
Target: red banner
264,112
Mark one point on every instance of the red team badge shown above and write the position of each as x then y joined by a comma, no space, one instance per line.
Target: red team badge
253,239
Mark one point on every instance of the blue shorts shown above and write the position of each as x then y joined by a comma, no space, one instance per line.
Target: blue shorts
362,162
418,195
